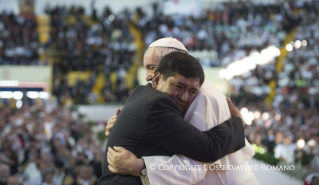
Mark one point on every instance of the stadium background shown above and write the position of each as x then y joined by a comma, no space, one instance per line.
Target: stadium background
65,66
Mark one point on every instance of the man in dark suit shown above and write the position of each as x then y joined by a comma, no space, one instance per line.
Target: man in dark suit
151,122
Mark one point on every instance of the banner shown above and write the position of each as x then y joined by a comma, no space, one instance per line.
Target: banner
26,76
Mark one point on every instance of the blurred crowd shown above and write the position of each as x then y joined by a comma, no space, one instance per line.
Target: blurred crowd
223,33
289,128
47,144
101,45
19,44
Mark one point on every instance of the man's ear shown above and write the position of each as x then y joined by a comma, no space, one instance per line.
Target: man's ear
156,79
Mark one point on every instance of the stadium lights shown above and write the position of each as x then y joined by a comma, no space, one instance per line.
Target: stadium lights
6,94
33,94
289,47
19,104
297,44
36,95
257,114
17,95
244,112
248,122
250,62
265,57
265,116
249,118
9,83
301,144
43,95
311,143
250,115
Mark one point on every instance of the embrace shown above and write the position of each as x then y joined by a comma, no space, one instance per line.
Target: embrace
178,119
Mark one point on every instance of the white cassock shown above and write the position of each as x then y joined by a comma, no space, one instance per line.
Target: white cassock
209,109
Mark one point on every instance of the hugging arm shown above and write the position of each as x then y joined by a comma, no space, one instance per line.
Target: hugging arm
119,159
166,129
122,161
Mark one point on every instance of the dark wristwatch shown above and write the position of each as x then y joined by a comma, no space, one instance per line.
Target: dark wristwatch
143,170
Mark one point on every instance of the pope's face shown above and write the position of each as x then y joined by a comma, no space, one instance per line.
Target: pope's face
181,89
150,63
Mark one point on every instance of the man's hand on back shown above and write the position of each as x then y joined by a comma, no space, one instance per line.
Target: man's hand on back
122,161
234,112
111,121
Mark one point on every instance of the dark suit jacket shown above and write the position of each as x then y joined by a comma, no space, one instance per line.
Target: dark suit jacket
151,124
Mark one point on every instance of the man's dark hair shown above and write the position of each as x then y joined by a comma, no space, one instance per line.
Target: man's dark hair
180,63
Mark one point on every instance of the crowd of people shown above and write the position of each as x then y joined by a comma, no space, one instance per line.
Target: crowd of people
19,44
101,45
229,30
47,144
104,44
289,128
77,43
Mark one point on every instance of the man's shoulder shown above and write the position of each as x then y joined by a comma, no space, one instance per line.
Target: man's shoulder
153,99
148,93
146,96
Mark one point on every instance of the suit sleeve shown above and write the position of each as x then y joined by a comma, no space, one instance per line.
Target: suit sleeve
164,127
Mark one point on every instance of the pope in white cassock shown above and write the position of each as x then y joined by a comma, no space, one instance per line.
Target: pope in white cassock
207,110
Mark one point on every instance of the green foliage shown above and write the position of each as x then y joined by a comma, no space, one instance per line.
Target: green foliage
263,155
101,136
267,157
81,116
91,123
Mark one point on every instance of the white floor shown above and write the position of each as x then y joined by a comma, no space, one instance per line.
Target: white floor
272,177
